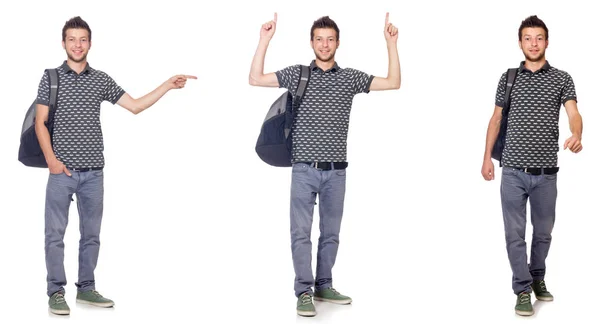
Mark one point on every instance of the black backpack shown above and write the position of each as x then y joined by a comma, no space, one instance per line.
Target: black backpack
30,152
274,144
511,75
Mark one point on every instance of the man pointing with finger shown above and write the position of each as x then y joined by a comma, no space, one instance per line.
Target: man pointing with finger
530,160
319,134
75,159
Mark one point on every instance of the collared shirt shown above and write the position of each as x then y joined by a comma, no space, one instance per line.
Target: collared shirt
320,129
535,101
77,138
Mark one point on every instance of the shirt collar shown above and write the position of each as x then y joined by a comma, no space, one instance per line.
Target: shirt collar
68,69
522,67
313,66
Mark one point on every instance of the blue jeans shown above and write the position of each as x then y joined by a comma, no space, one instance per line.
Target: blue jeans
330,186
89,190
516,187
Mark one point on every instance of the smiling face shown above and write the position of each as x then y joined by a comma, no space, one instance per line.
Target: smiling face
533,43
77,44
325,42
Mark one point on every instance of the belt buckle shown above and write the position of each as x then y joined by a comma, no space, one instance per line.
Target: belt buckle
525,170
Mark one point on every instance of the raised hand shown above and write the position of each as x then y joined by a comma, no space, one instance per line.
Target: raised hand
268,29
390,31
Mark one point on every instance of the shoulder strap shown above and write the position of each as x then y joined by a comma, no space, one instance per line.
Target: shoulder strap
302,83
53,76
511,76
304,76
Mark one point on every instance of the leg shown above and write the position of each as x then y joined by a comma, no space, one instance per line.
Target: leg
90,198
59,193
513,192
302,203
331,208
543,205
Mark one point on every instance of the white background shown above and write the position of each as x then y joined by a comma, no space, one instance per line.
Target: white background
196,227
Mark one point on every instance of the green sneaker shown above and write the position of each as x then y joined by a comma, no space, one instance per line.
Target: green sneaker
305,306
540,291
331,295
524,307
58,305
92,297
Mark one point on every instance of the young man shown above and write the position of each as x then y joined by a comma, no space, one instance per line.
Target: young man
75,159
319,136
530,158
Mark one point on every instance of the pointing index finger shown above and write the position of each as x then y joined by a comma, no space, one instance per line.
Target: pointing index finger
387,18
275,17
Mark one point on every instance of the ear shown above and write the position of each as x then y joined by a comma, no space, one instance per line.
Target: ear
547,42
520,45
337,43
64,45
311,43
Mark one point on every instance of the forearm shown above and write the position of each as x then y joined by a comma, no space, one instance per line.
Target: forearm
492,135
258,62
393,65
150,99
43,136
576,125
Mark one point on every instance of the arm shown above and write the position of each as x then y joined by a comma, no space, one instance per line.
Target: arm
136,106
576,126
41,117
257,76
487,170
392,81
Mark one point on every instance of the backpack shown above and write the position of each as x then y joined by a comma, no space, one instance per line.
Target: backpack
30,152
511,75
274,143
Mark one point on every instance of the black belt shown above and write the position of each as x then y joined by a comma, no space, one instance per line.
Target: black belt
538,171
85,169
326,166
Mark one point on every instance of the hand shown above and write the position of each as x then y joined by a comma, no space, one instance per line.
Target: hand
390,31
487,170
268,29
573,143
57,167
178,81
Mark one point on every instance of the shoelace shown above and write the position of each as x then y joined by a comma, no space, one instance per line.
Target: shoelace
59,298
97,293
306,299
543,286
524,298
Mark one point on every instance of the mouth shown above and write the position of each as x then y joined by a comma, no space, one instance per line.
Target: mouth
324,52
77,52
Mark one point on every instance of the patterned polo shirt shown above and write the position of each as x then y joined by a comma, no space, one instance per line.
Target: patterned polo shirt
320,130
532,131
77,138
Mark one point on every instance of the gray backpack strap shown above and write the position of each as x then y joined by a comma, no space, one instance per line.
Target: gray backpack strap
53,76
511,76
304,76
302,84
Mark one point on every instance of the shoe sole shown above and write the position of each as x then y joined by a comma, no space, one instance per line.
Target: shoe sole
105,305
335,301
307,313
544,298
59,311
524,313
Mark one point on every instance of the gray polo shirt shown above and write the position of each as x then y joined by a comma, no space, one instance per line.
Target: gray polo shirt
77,138
320,130
532,132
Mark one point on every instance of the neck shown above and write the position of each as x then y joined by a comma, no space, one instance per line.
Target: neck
77,66
325,65
535,65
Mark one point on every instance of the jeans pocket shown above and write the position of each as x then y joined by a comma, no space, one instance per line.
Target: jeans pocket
550,177
341,173
299,167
